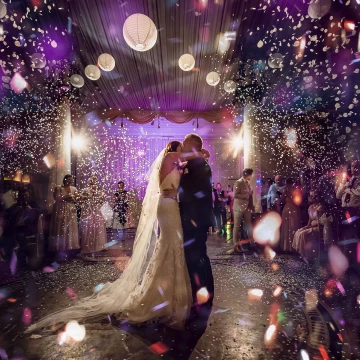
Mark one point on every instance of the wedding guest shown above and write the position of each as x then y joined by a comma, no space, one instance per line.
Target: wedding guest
20,224
92,223
291,215
274,194
306,238
349,193
264,194
63,232
220,208
230,202
243,205
120,207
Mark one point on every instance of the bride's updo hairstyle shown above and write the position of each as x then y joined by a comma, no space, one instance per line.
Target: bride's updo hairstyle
172,146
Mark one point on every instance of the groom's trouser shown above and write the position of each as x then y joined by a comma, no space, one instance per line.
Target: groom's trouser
197,261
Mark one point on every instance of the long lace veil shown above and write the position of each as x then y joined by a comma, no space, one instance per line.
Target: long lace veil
115,297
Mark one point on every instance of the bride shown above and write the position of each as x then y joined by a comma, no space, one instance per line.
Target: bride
155,285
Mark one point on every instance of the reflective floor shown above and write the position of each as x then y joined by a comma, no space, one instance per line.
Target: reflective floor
263,309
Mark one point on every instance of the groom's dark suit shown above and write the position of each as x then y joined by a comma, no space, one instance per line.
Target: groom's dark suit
195,195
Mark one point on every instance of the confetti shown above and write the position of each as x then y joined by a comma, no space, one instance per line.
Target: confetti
159,348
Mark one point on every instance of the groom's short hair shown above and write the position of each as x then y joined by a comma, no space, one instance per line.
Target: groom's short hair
196,140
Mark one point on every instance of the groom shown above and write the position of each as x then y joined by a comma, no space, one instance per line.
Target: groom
195,197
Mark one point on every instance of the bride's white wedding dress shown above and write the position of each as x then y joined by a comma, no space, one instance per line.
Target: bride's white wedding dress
155,285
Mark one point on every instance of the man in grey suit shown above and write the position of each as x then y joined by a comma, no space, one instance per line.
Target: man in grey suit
243,205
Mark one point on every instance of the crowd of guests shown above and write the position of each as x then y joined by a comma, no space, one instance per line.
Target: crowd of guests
308,213
324,200
77,219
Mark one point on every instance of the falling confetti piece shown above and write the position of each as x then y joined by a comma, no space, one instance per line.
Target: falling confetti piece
255,294
26,317
159,348
323,353
71,293
202,296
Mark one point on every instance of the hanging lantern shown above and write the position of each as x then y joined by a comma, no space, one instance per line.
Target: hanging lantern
77,81
92,72
275,61
3,10
319,8
230,86
213,78
38,61
186,62
106,62
140,32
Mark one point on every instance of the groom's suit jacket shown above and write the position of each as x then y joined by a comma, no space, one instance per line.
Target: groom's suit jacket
195,197
195,194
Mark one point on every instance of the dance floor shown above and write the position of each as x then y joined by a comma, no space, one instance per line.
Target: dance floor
252,295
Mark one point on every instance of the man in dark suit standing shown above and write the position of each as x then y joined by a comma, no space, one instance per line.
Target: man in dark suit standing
195,197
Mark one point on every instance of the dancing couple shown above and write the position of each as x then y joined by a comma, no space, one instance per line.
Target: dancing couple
166,271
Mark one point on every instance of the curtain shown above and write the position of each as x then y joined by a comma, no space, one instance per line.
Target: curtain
177,117
127,159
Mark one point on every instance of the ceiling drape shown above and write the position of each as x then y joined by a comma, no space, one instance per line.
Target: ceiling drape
176,117
152,80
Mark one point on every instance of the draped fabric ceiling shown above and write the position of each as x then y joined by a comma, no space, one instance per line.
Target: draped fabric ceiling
152,81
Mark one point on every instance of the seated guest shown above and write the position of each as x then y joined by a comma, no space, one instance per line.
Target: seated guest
274,194
291,216
306,237
20,224
349,193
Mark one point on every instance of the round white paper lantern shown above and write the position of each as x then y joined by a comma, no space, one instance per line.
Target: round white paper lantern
77,81
213,78
186,62
318,8
38,61
230,86
92,72
140,32
3,10
275,60
106,62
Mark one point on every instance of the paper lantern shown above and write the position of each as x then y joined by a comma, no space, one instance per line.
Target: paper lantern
77,81
275,60
38,61
140,32
186,62
230,86
3,10
213,78
106,62
318,8
92,72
